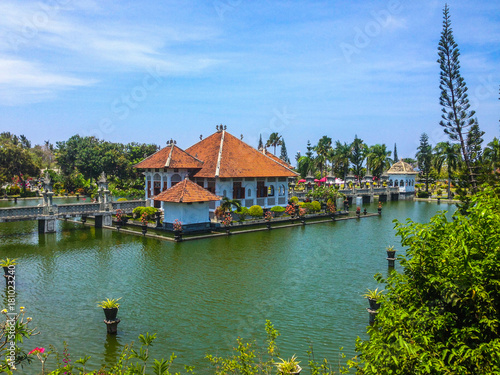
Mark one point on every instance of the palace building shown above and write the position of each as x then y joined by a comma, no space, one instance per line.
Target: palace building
221,164
402,175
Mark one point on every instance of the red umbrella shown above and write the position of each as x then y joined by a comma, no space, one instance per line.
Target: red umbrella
316,180
301,181
323,179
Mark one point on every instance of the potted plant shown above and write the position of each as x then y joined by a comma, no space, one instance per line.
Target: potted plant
144,221
373,298
302,214
290,366
379,208
119,215
110,307
226,221
358,211
290,210
177,225
391,253
7,264
268,216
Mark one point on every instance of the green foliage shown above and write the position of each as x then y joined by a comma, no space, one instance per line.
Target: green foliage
424,159
315,206
324,193
423,194
242,211
8,262
294,200
442,314
278,209
256,211
139,211
109,303
288,366
373,294
121,199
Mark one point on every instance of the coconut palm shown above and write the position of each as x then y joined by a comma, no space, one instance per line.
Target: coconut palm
322,150
492,154
378,159
274,140
227,203
446,153
340,157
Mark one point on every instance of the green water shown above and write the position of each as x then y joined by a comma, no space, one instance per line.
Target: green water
199,296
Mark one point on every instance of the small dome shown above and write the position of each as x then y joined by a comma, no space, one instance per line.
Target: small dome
401,168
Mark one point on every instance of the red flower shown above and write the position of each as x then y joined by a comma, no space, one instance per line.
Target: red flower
37,350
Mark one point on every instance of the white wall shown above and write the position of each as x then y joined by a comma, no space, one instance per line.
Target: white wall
193,213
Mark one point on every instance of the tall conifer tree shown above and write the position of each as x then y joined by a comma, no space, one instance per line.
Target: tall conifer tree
284,153
395,158
261,144
424,159
456,116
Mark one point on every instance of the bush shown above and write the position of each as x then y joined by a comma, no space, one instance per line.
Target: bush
294,200
138,211
423,194
243,211
278,209
308,206
121,199
28,194
315,206
256,211
13,190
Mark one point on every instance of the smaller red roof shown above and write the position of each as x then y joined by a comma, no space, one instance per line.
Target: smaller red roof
170,157
186,191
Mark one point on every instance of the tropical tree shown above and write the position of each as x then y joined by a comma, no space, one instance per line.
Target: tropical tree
340,157
274,140
446,153
424,159
227,203
378,159
359,150
323,149
492,154
441,313
284,153
306,163
17,160
457,116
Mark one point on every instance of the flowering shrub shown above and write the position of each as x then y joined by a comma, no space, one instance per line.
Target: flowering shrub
119,214
290,210
144,218
177,225
227,219
302,211
256,211
268,216
330,207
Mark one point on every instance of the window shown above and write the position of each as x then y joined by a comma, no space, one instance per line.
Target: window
249,193
261,189
224,193
211,185
282,190
390,182
396,183
270,191
402,183
238,191
175,180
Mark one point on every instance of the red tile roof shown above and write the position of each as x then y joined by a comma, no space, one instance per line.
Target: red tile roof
170,157
224,155
277,159
186,191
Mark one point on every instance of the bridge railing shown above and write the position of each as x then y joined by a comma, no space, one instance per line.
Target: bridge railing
78,208
128,206
20,212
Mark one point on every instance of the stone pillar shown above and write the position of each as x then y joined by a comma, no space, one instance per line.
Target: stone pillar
98,221
47,225
107,219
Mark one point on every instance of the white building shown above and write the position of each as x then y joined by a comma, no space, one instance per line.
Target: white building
402,175
225,166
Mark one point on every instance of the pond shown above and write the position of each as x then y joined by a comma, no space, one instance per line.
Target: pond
199,296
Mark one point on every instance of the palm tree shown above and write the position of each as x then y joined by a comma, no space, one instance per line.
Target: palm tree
274,140
378,159
340,157
322,150
449,154
492,154
227,203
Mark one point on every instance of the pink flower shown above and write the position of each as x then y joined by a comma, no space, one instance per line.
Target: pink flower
37,350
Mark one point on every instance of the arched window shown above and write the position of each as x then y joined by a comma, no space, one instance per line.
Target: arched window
402,183
224,193
390,182
176,178
396,184
249,193
270,191
282,190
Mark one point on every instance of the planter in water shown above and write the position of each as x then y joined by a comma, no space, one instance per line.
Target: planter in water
391,253
374,305
111,314
144,230
178,235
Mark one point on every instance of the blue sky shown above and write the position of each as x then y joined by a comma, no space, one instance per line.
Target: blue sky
148,71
